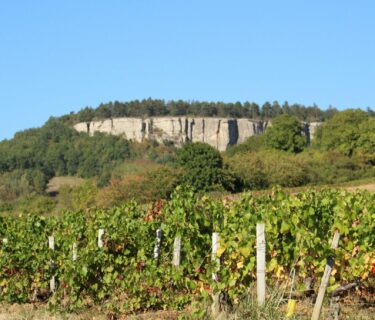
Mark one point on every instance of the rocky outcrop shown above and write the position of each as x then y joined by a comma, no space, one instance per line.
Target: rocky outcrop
217,132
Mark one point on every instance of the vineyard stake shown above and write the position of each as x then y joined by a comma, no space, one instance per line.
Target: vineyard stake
215,307
75,255
177,251
100,238
261,263
215,258
159,236
51,245
325,279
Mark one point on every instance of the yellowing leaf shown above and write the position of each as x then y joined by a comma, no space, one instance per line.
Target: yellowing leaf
245,251
220,251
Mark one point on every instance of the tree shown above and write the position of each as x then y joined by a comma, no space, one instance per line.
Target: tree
104,111
203,165
266,110
276,109
86,115
342,132
366,141
286,133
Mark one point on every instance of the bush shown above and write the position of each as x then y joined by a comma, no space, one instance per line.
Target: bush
22,182
149,186
203,165
77,197
252,144
259,170
332,167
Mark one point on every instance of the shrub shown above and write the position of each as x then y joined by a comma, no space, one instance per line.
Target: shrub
149,186
252,144
203,165
332,167
22,182
259,170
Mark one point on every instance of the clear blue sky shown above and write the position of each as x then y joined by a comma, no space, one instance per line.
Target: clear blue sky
59,56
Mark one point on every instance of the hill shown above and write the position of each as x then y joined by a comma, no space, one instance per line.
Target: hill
115,169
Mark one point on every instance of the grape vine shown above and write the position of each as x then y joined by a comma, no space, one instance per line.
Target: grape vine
124,276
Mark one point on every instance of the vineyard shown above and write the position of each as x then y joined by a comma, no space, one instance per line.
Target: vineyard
125,273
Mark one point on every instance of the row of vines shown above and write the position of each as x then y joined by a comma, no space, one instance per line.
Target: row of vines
124,275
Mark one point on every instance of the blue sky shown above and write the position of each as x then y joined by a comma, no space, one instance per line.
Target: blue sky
59,56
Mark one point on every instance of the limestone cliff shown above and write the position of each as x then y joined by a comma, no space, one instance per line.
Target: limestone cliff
217,132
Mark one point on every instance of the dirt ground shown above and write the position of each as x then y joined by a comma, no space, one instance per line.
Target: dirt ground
368,187
349,311
40,312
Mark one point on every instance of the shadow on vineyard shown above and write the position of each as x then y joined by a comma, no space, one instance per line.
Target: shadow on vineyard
126,270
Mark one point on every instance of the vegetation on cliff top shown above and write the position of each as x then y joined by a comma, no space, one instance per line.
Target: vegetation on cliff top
157,107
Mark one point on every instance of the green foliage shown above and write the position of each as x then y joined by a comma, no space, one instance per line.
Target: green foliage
348,132
366,142
21,182
55,150
154,184
81,197
286,133
260,170
157,107
252,144
123,275
332,167
203,165
35,204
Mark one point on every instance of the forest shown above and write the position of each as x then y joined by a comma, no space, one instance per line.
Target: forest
157,107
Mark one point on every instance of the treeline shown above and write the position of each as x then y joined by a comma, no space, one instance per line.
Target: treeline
33,156
155,107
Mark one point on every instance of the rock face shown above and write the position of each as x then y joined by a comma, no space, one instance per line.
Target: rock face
217,132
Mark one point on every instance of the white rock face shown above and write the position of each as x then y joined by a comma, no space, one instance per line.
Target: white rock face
217,132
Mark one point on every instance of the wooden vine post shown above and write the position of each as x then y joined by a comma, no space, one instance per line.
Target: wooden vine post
52,282
215,258
75,254
159,237
100,238
325,279
215,308
176,252
261,263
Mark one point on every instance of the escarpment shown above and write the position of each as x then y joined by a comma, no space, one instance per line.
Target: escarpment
217,132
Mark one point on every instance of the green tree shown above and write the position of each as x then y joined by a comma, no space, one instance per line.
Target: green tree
86,115
342,132
286,133
203,165
366,142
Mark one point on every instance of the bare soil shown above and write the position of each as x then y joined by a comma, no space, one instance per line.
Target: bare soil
368,187
56,183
